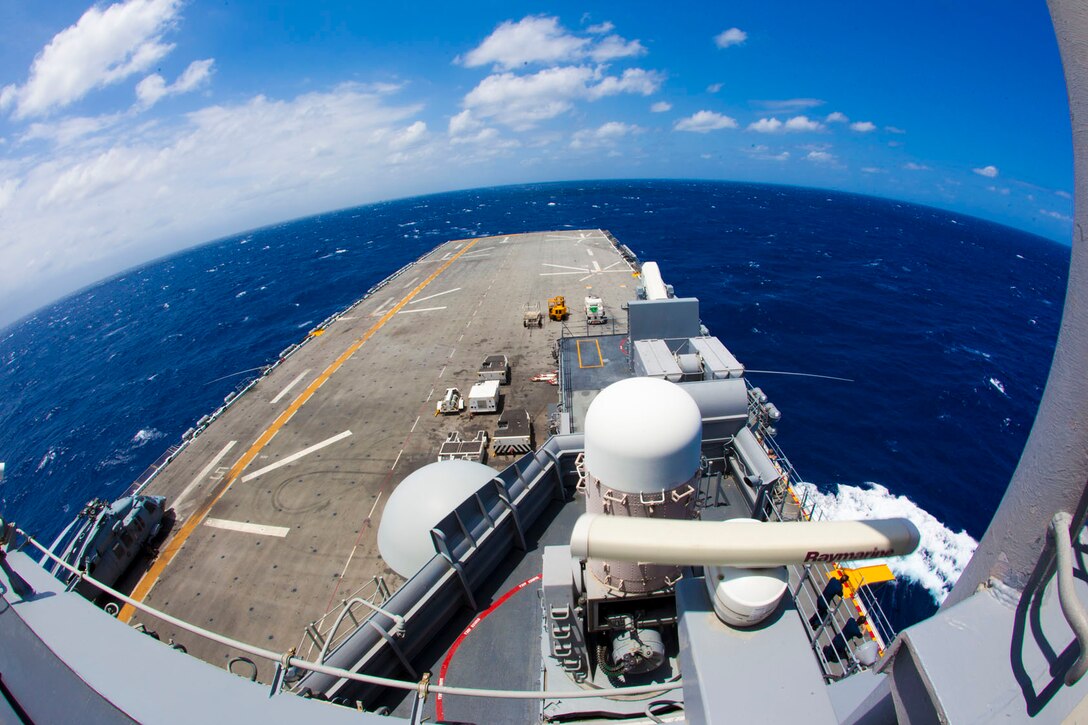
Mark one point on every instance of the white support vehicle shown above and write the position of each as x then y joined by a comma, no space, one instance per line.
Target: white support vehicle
595,314
451,403
484,397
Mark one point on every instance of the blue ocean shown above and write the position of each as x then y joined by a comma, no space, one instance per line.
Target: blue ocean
943,324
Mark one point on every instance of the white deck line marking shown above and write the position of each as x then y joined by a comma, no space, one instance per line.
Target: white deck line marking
411,282
295,456
560,274
202,475
438,294
462,337
429,394
442,371
473,255
589,251
379,498
459,245
397,460
596,266
261,529
381,307
618,261
564,266
414,423
290,385
505,240
421,309
347,318
450,357
448,255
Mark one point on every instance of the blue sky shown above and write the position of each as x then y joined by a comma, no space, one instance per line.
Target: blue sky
133,129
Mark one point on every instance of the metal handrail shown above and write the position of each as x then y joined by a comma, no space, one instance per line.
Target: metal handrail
1071,606
288,659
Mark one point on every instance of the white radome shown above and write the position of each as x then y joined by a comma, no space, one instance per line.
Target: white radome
643,435
421,500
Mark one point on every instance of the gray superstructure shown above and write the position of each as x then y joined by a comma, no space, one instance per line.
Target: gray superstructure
1010,644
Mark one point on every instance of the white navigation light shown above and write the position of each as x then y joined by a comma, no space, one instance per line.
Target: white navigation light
421,500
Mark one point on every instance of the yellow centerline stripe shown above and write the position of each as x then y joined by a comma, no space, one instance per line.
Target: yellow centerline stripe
167,554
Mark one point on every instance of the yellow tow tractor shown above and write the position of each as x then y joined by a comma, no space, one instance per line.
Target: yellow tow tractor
557,308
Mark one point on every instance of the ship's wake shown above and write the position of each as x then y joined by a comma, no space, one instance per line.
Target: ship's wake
939,559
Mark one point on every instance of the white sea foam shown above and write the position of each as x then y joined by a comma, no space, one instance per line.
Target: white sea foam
49,457
998,385
939,559
144,436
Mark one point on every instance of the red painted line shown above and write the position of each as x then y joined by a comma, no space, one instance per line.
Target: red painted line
439,711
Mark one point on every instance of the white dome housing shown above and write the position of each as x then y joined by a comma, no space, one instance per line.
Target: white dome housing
743,596
421,500
643,435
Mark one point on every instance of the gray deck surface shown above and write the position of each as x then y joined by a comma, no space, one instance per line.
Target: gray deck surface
317,516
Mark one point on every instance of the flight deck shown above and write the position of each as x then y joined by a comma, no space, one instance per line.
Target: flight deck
276,503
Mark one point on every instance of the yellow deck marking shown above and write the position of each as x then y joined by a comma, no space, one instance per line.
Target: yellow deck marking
167,554
600,356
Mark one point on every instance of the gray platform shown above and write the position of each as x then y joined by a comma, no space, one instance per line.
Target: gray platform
258,551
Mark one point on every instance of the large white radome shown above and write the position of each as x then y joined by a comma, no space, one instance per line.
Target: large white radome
643,435
421,500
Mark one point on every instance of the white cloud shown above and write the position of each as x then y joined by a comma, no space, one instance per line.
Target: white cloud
912,166
837,117
606,135
788,105
153,88
1003,190
1044,212
803,123
820,156
601,28
766,125
873,170
69,130
143,189
989,172
714,88
661,107
863,126
704,122
894,129
1063,194
103,47
409,136
541,39
795,124
727,38
633,80
522,102
763,152
614,47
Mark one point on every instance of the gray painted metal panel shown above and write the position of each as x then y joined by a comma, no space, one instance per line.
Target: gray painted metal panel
651,319
762,674
723,405
990,658
118,674
654,359
718,361
755,459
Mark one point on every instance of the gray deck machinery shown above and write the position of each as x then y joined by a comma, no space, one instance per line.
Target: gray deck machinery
642,460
